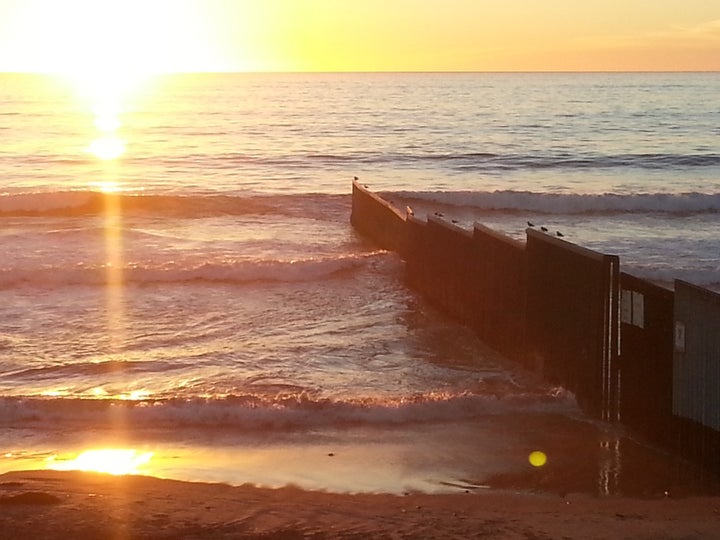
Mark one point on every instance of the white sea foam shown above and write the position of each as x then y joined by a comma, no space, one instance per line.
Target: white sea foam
283,412
562,203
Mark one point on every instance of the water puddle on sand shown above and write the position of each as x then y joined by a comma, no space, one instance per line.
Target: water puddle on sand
521,453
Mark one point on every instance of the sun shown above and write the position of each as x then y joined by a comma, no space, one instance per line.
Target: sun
109,50
98,39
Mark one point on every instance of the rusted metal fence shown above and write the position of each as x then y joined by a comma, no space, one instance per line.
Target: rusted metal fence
628,349
572,320
646,357
696,372
446,265
477,277
378,219
499,284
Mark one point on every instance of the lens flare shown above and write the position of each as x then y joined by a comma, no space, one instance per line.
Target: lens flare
537,458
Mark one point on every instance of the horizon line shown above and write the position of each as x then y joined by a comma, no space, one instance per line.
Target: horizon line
370,72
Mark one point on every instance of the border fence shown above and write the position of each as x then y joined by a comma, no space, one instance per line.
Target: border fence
631,351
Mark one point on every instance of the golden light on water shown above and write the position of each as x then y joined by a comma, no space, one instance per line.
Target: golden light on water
108,460
106,186
107,104
107,147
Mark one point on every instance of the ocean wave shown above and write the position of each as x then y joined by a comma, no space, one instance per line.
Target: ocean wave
666,274
231,271
567,203
114,367
489,162
466,162
469,161
283,412
80,203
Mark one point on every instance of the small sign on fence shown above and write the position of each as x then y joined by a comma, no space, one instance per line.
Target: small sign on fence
679,337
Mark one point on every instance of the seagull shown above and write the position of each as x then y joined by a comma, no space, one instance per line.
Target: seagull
543,229
559,234
530,224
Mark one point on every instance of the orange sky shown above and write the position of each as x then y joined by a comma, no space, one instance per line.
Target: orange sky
359,35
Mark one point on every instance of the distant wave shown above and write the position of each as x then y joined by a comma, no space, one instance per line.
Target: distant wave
561,203
282,412
666,274
467,162
429,158
78,203
508,162
470,160
240,271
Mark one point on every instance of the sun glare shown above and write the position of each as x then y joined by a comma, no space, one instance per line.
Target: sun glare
119,39
107,147
108,50
107,186
110,461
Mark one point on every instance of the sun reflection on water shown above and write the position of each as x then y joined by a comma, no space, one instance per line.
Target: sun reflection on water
107,460
107,147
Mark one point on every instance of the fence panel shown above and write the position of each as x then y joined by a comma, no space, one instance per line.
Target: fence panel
498,315
378,220
572,320
646,357
696,373
451,263
417,272
697,355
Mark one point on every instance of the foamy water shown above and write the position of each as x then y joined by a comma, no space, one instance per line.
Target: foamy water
206,293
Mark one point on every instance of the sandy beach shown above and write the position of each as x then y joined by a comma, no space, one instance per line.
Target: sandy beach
51,504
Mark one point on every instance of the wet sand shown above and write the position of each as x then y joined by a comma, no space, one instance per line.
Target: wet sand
53,505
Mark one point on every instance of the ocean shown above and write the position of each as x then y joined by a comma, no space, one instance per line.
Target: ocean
200,308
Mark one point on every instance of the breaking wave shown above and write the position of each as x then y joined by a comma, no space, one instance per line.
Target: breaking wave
282,412
81,203
232,271
560,203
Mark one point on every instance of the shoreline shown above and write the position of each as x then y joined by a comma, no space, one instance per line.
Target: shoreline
51,504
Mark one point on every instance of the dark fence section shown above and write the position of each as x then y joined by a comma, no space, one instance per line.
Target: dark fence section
477,277
378,219
696,373
646,357
572,326
417,272
498,314
447,264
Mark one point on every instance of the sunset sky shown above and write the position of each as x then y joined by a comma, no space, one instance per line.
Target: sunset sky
359,35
